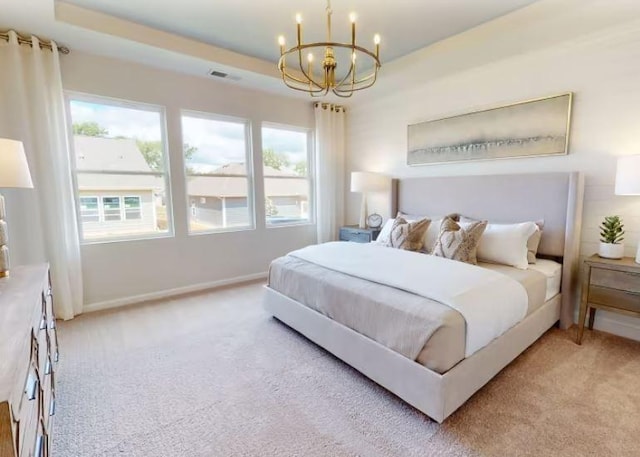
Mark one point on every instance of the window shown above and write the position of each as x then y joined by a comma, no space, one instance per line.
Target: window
120,168
287,175
111,208
132,208
89,211
218,172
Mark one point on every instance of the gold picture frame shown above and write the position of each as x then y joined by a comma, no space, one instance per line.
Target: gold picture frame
532,128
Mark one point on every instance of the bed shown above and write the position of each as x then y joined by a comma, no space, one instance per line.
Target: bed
437,370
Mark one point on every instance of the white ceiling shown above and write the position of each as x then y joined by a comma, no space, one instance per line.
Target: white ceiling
239,36
251,27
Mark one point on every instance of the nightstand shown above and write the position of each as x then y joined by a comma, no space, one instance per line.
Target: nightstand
357,234
613,285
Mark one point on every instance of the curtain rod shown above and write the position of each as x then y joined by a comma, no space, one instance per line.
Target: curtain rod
22,39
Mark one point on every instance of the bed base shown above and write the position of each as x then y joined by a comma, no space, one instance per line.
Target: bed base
436,395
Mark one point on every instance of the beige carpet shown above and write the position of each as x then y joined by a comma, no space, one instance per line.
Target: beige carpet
213,375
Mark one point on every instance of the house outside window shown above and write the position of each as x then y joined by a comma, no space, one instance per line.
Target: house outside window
218,170
120,167
288,175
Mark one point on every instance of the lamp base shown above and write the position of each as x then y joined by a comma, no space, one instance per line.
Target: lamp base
363,212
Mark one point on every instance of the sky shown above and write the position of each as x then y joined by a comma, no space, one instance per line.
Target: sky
218,142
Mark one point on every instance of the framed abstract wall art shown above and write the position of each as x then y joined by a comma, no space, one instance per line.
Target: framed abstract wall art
537,127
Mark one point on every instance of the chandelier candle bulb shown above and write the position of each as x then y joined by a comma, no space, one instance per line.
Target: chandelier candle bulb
281,43
352,18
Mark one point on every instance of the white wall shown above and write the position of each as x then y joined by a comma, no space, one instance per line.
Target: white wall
591,48
113,272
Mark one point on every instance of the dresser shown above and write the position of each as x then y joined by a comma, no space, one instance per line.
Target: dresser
28,360
612,285
357,234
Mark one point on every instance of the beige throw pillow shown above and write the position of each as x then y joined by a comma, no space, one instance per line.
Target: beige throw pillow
408,235
460,244
433,232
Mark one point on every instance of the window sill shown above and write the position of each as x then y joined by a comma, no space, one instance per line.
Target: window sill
290,224
147,237
247,228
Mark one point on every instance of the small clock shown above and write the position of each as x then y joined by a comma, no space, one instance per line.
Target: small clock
374,220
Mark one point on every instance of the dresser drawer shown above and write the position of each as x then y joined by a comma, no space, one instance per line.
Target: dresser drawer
629,301
612,279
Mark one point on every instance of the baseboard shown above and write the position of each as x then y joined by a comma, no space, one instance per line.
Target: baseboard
609,324
118,302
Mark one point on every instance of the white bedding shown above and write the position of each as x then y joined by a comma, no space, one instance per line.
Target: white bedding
490,302
553,272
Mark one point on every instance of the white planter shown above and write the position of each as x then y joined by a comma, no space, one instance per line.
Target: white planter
611,251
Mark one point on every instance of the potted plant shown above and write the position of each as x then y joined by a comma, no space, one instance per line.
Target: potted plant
611,237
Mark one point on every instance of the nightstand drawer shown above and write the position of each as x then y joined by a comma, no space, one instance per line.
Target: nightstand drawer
615,279
629,301
357,235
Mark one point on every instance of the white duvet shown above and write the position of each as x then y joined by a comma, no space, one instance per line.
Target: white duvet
490,302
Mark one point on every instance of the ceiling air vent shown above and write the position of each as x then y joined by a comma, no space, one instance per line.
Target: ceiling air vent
223,75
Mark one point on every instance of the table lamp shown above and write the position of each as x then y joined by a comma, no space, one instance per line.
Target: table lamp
14,172
364,182
628,181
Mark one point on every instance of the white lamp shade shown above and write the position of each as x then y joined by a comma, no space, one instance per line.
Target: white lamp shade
628,175
364,181
14,169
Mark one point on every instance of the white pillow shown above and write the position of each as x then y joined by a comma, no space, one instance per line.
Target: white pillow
385,233
506,244
431,235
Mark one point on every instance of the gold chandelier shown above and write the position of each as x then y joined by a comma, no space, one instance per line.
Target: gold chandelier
320,83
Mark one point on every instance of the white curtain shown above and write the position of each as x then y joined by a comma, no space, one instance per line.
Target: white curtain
330,152
42,221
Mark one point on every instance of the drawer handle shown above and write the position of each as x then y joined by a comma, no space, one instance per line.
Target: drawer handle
52,324
32,388
49,292
52,407
56,356
47,367
39,451
43,323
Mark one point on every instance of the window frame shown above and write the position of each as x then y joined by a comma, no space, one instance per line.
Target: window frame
138,208
98,207
311,172
70,96
112,211
250,175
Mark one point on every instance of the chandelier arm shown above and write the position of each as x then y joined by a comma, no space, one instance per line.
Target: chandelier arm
325,44
288,78
357,83
310,80
304,89
301,85
294,78
349,73
338,91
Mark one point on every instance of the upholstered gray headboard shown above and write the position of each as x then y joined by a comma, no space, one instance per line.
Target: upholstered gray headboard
555,198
